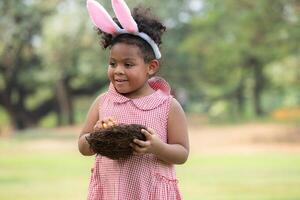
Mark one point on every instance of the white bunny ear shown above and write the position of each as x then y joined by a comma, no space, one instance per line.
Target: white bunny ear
124,16
101,18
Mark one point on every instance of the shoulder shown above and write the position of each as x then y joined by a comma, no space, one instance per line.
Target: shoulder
99,99
174,104
175,108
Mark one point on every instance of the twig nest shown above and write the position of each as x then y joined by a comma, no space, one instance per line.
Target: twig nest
114,142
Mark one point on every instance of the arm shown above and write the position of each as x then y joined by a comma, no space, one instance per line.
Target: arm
88,127
176,151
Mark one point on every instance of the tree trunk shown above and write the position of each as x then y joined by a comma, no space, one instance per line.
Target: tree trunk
65,105
256,66
20,119
240,97
259,84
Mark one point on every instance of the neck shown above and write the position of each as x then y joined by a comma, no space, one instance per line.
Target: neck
145,91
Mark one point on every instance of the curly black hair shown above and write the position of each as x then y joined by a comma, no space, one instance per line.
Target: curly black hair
147,23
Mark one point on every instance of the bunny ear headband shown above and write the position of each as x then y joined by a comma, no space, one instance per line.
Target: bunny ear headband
104,22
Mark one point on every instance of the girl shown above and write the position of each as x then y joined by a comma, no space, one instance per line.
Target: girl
135,96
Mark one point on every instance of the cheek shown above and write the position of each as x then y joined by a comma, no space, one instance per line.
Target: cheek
110,74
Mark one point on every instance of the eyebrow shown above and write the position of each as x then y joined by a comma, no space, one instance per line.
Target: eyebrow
124,59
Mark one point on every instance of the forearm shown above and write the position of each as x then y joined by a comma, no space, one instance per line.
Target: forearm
84,146
172,153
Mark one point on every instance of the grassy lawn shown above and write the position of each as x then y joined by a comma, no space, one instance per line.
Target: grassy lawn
29,171
241,177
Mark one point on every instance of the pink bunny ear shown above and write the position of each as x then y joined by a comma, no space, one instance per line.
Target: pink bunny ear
124,16
101,18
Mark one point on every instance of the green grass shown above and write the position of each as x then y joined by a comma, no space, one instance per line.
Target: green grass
64,174
43,176
241,177
27,173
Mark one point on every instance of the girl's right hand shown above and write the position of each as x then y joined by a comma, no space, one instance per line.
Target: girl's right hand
106,123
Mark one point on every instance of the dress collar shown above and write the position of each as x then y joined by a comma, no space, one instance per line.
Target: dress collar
152,101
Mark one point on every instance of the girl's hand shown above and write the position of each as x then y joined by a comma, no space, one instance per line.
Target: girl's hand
106,123
151,145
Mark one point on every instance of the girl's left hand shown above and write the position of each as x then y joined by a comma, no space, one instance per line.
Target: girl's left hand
151,145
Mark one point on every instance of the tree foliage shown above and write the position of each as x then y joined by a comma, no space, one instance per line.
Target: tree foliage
232,57
20,25
232,42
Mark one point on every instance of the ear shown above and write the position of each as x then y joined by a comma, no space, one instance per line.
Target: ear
124,16
153,67
101,18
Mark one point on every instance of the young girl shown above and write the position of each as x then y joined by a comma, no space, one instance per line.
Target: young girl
135,96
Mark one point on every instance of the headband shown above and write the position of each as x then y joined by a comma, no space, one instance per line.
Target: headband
105,23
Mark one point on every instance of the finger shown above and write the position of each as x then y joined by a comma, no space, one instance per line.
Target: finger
97,125
104,125
147,134
134,147
112,120
115,122
137,150
151,131
110,123
141,143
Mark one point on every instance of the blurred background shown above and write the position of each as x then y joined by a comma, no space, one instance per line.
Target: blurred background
233,65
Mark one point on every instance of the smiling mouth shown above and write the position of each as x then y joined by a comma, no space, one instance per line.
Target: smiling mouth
120,81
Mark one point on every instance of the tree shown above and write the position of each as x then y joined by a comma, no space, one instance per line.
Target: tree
21,23
34,84
49,57
235,41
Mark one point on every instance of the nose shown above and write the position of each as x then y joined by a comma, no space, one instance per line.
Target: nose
119,69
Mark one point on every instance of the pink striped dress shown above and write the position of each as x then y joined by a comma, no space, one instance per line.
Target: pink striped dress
140,177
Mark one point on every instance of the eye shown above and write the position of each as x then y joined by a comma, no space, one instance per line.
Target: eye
128,65
112,64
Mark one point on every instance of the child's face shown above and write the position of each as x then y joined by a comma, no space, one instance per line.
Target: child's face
128,71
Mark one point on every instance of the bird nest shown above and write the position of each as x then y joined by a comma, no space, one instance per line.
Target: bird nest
114,142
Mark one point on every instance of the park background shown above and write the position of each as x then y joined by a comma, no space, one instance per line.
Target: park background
233,65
